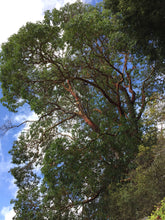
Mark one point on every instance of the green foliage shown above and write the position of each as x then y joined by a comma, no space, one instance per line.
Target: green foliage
143,187
144,22
136,195
76,71
159,213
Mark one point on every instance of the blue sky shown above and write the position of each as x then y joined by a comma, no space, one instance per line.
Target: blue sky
13,15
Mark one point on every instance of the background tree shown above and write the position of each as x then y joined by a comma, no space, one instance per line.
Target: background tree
158,212
144,21
136,196
89,92
143,189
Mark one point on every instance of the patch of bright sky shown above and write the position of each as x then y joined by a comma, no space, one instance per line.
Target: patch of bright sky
14,14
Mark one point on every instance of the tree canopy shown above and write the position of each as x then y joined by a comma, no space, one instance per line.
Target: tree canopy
145,22
77,71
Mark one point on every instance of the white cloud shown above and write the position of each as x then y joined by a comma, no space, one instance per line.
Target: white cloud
4,165
20,118
12,187
14,14
8,212
30,116
50,4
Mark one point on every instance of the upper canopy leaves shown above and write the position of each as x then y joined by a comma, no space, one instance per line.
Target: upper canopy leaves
144,21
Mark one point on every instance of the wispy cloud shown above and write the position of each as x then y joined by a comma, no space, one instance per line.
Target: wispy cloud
20,118
5,165
12,187
7,212
1,154
6,180
50,4
14,14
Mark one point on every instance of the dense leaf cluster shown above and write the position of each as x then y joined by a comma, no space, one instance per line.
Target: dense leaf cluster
145,22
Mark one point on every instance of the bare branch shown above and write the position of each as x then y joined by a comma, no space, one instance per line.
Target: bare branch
143,93
8,125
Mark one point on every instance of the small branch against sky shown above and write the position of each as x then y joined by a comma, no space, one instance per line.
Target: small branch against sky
9,125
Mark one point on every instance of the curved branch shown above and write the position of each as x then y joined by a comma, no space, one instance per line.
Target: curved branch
97,87
81,112
8,125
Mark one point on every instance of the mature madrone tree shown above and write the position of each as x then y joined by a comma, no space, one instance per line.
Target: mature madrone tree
76,72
